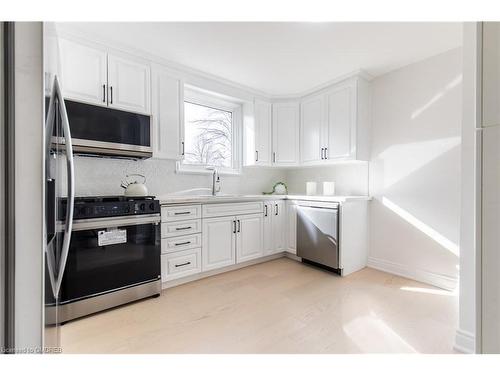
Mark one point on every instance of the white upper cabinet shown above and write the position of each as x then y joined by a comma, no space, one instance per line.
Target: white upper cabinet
263,133
94,76
491,74
83,72
341,128
286,134
129,84
335,124
312,129
167,110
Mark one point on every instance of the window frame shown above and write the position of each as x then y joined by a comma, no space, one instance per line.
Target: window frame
214,101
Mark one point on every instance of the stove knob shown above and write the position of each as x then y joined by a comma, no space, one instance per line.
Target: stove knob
152,206
142,207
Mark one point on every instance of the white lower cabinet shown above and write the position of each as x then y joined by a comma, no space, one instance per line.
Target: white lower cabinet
274,227
180,264
291,228
219,242
249,239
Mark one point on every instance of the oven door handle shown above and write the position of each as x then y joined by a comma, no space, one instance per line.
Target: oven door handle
121,221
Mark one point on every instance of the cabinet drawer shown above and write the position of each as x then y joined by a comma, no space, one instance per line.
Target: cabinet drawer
179,228
180,264
176,213
173,244
232,209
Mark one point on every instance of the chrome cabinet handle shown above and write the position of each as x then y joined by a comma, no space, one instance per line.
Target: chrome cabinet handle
276,207
182,148
265,210
182,264
111,94
326,153
322,149
234,226
256,155
182,213
239,226
183,228
104,93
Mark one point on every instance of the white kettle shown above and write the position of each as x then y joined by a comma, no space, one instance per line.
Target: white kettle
134,188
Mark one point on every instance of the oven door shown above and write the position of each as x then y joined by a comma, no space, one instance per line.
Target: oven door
106,131
110,254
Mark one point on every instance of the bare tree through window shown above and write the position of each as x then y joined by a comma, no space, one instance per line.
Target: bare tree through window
208,135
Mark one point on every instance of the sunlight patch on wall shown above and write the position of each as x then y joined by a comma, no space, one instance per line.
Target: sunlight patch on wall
437,97
401,160
424,228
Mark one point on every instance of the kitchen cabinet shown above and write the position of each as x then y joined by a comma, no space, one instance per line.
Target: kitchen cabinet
263,133
491,74
312,129
274,227
285,126
168,115
335,123
83,72
180,264
129,84
219,242
94,76
291,229
249,238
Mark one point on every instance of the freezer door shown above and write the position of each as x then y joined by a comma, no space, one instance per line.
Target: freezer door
317,235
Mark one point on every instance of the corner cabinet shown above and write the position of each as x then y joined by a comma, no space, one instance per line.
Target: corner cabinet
168,115
335,124
93,75
286,134
263,133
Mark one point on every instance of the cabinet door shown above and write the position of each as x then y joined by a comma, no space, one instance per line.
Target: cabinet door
279,226
219,243
491,74
167,110
263,133
286,133
129,85
312,129
292,228
83,73
268,229
341,121
249,239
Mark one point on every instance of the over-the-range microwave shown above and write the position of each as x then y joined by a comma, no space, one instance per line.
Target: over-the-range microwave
110,132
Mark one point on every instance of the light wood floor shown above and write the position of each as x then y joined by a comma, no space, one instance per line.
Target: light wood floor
281,306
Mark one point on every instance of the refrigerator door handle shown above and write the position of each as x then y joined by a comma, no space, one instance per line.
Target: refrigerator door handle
70,185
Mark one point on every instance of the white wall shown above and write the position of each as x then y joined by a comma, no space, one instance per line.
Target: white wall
349,178
97,176
415,169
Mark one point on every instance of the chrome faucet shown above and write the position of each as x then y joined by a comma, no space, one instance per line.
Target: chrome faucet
215,182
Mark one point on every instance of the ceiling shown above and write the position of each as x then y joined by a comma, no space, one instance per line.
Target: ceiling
284,58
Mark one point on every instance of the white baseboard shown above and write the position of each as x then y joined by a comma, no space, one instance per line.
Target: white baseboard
435,279
465,342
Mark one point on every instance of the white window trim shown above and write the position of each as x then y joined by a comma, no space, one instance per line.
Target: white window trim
212,100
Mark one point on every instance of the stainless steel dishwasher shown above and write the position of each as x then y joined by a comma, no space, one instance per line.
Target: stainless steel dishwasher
317,235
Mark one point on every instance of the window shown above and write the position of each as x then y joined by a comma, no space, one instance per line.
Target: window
211,129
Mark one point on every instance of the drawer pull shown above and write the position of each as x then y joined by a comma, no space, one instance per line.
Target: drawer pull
182,213
183,264
183,228
183,243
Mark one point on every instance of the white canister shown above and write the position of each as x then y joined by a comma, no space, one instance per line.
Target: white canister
311,188
328,188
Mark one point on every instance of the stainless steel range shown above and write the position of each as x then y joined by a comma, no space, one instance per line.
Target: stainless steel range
114,255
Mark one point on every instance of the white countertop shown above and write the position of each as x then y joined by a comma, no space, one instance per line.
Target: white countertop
223,198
